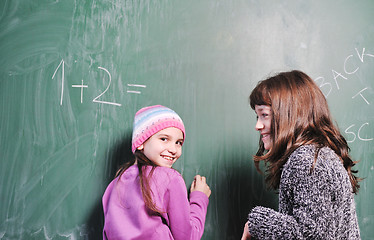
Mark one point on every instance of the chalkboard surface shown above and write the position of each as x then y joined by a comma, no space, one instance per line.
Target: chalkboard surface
74,72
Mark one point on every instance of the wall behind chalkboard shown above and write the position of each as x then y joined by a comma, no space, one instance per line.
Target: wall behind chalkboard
74,72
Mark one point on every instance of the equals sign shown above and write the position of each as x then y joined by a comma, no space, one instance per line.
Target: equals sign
135,86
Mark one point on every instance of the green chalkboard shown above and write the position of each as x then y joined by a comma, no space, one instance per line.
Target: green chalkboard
74,72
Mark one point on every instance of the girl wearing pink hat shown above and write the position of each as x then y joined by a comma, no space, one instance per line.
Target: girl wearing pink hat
148,199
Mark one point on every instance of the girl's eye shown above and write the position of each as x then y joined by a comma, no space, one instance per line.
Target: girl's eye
163,139
262,116
180,143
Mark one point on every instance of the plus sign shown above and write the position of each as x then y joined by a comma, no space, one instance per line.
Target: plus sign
80,86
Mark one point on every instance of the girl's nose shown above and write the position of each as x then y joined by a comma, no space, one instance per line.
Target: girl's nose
259,125
172,148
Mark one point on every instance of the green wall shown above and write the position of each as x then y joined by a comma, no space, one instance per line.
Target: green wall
74,72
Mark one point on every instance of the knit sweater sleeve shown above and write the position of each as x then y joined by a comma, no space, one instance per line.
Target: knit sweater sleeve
187,218
305,203
266,223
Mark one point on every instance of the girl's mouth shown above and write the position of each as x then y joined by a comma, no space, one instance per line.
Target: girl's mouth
265,136
168,158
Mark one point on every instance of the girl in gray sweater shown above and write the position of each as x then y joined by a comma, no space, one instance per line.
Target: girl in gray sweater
306,159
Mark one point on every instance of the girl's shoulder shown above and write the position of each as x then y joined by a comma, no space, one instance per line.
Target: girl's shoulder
165,173
301,159
165,179
298,165
304,157
302,154
308,152
308,149
159,175
327,153
159,171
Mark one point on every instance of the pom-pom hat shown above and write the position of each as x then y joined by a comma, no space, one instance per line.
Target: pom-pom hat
152,119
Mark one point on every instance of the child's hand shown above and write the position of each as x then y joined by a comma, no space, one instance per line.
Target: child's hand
199,184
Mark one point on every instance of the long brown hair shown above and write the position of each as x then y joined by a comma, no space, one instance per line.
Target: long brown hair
142,162
300,115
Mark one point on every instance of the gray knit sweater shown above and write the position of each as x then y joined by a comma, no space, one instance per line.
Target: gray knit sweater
316,204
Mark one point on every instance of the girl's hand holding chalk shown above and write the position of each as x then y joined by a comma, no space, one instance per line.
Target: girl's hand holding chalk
199,184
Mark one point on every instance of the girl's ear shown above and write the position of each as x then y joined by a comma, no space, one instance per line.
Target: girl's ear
141,147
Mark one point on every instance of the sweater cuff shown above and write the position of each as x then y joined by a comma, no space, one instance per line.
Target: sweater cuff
259,222
198,196
266,223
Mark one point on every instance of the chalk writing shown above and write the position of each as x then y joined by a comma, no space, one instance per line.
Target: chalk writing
349,69
62,79
336,75
358,133
135,85
82,86
360,93
323,84
363,54
110,80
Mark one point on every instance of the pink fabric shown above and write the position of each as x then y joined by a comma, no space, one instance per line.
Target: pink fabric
126,216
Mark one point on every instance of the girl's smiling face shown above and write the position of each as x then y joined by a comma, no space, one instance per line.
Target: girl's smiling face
263,125
164,147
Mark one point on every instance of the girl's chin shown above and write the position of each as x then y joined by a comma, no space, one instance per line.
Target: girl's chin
267,145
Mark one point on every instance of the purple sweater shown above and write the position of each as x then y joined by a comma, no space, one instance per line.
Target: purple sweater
126,216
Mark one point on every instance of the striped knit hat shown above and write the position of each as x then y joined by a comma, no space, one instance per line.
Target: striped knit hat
152,119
